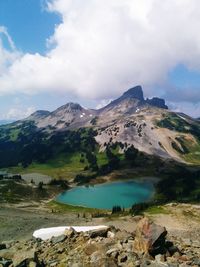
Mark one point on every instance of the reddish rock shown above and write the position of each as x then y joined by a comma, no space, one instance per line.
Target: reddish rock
149,237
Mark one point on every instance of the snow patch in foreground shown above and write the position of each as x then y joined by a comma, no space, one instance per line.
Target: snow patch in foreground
47,233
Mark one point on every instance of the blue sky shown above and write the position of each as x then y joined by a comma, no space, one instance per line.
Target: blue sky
28,23
56,51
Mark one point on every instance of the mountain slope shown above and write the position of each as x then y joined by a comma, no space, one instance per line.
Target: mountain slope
71,115
147,124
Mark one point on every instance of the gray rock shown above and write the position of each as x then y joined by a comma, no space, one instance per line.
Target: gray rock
110,234
96,256
110,251
113,252
58,239
70,232
23,258
160,258
172,250
184,265
187,242
196,261
5,263
122,258
98,233
32,264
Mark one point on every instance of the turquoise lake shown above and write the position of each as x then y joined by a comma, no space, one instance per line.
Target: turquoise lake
105,196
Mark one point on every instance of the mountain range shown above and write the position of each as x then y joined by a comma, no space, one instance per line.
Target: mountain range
3,122
72,115
147,124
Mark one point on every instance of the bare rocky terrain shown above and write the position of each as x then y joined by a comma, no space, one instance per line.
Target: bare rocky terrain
173,240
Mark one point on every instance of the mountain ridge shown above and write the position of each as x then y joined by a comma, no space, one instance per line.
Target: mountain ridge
135,93
130,120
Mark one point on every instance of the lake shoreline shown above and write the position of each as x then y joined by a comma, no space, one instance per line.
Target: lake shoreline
149,186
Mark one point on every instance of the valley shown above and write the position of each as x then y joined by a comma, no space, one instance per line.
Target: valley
132,140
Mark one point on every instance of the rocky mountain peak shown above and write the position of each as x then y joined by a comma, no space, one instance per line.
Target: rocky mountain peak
73,106
135,92
70,107
157,102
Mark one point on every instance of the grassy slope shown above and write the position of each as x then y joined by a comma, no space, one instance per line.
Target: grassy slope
194,155
63,166
59,207
175,123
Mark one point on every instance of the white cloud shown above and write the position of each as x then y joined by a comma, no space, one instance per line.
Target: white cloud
16,113
189,108
103,47
7,56
102,103
4,31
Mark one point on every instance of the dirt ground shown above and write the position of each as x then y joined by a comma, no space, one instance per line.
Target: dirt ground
19,222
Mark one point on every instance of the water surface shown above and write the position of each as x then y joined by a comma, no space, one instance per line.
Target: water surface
105,196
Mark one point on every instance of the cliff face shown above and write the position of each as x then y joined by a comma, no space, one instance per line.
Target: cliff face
157,102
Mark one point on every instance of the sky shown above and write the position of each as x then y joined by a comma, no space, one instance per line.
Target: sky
58,51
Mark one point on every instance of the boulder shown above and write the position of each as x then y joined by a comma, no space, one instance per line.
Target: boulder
96,257
5,263
102,232
70,232
23,258
149,238
112,251
7,254
110,234
2,246
58,239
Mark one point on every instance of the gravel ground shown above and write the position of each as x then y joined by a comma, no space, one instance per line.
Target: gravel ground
18,224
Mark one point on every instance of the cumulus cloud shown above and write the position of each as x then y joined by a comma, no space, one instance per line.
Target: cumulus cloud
7,56
189,108
103,47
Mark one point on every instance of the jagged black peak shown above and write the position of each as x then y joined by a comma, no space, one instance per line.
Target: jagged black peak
157,102
134,92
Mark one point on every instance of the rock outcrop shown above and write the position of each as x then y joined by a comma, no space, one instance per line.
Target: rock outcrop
149,238
147,246
157,102
135,92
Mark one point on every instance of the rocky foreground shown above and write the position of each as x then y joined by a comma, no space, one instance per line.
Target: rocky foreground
148,245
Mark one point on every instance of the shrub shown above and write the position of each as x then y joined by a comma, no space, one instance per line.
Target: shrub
116,209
